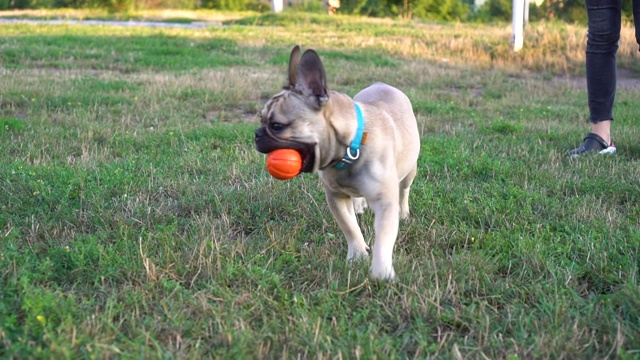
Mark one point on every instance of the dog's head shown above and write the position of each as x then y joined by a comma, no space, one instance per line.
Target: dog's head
293,118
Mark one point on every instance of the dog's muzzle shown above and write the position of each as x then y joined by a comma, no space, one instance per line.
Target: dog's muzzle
266,143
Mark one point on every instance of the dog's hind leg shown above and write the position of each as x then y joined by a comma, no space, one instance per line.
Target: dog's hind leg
405,187
359,204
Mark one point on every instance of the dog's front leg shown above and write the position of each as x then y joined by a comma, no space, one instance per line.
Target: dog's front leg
342,210
386,221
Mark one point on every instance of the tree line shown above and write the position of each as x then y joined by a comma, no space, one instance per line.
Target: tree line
439,10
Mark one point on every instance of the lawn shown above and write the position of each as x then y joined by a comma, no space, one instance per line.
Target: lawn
137,220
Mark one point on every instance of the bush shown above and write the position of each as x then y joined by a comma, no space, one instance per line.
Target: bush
563,10
493,10
15,4
567,10
441,9
376,8
233,5
426,9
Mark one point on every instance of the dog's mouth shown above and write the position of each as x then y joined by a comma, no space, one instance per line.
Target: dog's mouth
307,153
308,158
266,144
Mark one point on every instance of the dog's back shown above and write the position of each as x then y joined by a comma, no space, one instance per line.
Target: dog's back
405,128
390,99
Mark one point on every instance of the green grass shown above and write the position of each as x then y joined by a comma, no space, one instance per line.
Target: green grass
138,221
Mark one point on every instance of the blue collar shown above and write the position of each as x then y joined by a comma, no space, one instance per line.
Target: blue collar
353,151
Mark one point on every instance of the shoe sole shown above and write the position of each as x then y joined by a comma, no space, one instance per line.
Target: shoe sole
607,151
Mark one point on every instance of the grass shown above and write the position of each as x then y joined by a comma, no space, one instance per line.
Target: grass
138,221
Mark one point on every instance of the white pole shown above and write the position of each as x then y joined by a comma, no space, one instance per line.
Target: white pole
517,23
277,5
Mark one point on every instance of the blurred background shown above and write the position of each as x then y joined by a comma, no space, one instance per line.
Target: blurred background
439,10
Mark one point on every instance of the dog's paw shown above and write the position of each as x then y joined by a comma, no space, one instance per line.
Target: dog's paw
383,273
404,214
354,253
359,205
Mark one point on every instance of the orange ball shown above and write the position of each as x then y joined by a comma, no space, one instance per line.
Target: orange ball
284,164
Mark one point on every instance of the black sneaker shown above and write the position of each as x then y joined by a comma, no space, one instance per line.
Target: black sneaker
592,143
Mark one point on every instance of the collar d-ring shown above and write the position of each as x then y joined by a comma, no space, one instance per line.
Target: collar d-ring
353,151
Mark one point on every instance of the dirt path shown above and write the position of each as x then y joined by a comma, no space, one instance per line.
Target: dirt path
155,24
627,80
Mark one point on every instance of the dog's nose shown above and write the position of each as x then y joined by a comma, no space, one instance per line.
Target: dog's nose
258,134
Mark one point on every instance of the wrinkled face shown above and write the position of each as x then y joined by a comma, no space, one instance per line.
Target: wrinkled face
286,121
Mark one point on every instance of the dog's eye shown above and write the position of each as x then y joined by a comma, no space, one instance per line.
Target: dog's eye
276,126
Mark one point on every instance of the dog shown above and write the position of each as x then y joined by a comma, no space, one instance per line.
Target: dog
365,150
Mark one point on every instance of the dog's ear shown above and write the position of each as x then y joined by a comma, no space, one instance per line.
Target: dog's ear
294,59
311,79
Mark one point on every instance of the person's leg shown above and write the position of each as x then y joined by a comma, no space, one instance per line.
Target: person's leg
602,129
604,22
636,19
